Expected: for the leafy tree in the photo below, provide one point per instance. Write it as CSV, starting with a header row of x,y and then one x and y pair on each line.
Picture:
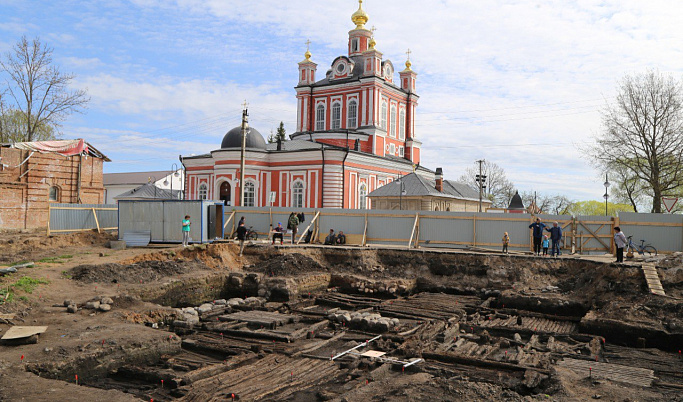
x,y
627,187
38,90
499,190
643,134
598,208
13,128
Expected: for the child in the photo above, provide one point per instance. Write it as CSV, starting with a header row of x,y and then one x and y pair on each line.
x,y
506,241
186,230
545,244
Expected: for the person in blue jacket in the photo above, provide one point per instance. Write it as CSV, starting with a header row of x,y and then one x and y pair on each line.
x,y
537,234
555,237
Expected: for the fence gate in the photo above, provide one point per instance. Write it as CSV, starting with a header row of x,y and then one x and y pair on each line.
x,y
594,234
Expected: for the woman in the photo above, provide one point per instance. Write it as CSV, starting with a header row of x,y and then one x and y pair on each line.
x,y
621,242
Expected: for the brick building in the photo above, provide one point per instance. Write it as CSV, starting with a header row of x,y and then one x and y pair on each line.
x,y
35,174
355,132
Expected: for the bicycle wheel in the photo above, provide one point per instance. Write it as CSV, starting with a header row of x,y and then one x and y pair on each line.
x,y
649,250
253,236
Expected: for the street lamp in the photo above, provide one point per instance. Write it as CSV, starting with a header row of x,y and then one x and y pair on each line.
x,y
402,191
154,183
174,169
606,196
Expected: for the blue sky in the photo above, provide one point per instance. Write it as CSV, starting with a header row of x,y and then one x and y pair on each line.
x,y
520,83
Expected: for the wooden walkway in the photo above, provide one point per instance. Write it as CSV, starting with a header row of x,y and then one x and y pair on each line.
x,y
615,372
652,279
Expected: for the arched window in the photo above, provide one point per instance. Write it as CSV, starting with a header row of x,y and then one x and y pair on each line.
x,y
336,116
54,194
320,117
298,194
249,194
402,125
352,114
363,196
203,192
392,121
383,115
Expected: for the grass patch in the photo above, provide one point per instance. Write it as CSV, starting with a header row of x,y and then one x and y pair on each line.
x,y
66,274
56,260
28,284
6,296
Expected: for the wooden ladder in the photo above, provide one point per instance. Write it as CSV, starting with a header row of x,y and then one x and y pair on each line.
x,y
652,279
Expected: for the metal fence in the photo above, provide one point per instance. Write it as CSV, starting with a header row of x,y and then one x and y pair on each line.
x,y
581,234
69,218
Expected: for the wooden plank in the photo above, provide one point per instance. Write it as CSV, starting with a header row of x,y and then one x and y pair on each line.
x,y
671,224
594,235
97,221
17,332
412,233
365,230
317,214
86,208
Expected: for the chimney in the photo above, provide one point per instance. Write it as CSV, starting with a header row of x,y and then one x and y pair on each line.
x,y
439,180
279,144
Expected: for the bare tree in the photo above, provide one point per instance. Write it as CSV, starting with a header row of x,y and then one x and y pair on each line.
x,y
37,89
643,133
499,190
548,204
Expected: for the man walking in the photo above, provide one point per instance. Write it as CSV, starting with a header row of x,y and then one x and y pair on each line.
x,y
621,242
241,236
537,234
555,237
186,230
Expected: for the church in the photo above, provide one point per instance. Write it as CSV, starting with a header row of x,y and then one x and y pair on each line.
x,y
355,132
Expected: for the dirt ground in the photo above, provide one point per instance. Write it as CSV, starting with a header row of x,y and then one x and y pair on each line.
x,y
97,345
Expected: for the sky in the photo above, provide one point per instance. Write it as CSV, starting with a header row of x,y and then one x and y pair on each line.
x,y
518,83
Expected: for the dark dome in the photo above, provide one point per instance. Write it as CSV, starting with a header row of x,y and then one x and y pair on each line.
x,y
233,139
516,202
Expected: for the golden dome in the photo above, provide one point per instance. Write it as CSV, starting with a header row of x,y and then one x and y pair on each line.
x,y
307,55
408,64
372,43
360,17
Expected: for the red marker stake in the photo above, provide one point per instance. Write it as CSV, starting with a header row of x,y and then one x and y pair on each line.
x,y
590,372
233,396
22,358
162,383
76,379
102,342
403,370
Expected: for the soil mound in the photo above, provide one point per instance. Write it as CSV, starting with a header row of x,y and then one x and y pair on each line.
x,y
289,264
145,271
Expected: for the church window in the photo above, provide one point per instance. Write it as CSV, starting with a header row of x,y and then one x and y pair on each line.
x,y
352,114
383,115
392,121
203,192
363,196
336,116
298,195
402,125
354,45
54,193
401,151
320,117
249,194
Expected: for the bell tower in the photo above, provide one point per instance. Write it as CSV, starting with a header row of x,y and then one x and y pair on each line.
x,y
307,67
359,37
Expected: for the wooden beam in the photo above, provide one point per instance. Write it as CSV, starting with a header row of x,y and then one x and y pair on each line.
x,y
412,233
317,214
595,235
97,221
232,215
365,231
474,230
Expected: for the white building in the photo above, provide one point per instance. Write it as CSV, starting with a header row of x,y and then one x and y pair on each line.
x,y
116,184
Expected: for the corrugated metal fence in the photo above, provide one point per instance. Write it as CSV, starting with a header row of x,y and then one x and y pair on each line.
x,y
586,234
69,218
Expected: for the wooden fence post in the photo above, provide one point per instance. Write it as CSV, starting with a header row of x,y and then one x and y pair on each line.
x,y
97,222
474,230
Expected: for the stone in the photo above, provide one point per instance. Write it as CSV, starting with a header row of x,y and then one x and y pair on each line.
x,y
117,244
533,379
182,324
92,305
220,302
235,301
68,302
517,337
105,307
189,311
192,319
204,308
106,300
72,308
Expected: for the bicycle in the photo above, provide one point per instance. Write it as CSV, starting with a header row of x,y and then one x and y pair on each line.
x,y
251,234
642,249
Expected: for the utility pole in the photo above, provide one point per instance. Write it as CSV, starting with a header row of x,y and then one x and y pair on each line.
x,y
481,179
245,127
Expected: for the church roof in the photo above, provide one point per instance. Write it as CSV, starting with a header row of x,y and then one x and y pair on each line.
x,y
418,186
233,139
516,202
460,190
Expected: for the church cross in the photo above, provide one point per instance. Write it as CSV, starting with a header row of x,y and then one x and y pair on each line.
x,y
308,44
408,53
373,29
245,104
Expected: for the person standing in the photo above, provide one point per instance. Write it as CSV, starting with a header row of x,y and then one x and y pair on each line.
x,y
545,244
186,230
620,242
241,236
506,242
292,224
555,237
537,227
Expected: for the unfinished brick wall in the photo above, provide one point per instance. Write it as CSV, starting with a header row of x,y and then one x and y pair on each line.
x,y
24,190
